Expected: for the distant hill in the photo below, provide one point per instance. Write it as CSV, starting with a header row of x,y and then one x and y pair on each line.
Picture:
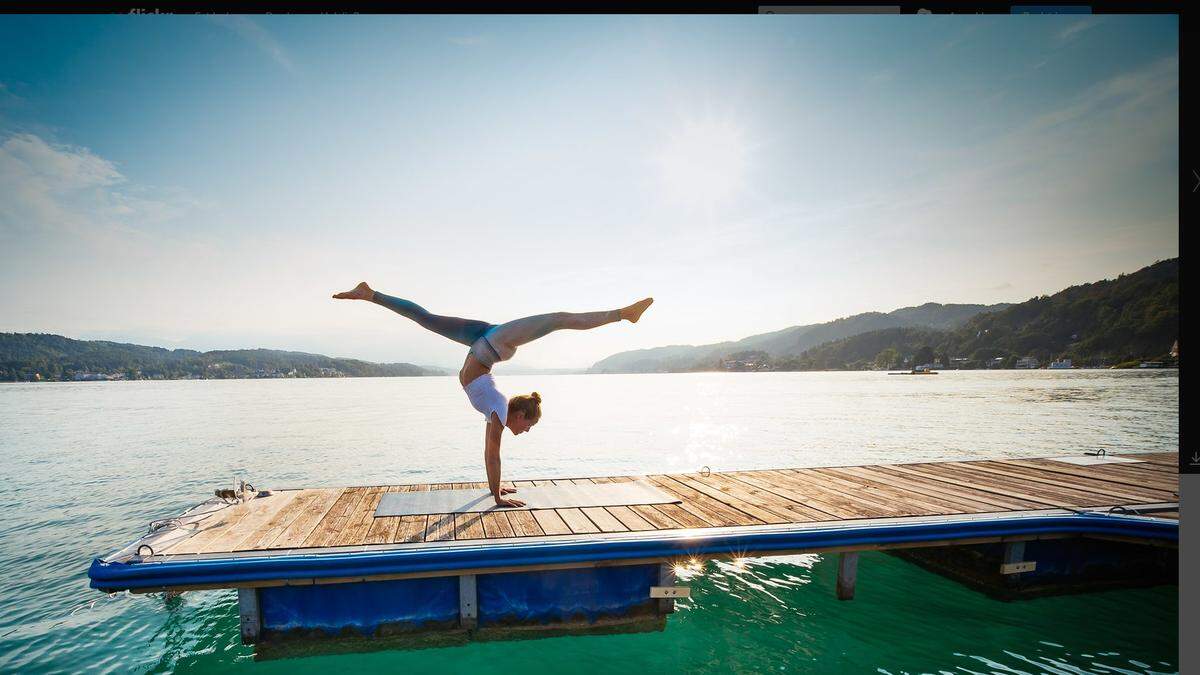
x,y
788,342
33,356
1109,322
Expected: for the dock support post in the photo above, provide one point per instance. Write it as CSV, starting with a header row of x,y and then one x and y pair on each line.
x,y
666,577
847,575
1015,562
468,605
248,609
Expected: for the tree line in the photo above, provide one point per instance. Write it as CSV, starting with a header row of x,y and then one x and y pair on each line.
x,y
26,357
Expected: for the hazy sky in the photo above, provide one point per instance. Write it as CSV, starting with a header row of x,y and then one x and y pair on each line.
x,y
209,182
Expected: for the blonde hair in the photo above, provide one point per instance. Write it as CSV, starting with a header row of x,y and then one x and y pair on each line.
x,y
530,404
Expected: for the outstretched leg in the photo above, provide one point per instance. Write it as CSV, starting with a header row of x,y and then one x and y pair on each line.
x,y
508,336
464,331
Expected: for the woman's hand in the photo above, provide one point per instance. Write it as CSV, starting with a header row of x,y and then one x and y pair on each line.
x,y
501,501
507,490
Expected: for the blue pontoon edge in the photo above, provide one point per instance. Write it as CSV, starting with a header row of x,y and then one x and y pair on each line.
x,y
233,570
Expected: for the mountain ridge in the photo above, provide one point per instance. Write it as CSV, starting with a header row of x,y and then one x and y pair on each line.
x,y
790,341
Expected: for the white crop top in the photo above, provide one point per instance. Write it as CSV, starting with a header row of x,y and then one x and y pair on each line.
x,y
486,399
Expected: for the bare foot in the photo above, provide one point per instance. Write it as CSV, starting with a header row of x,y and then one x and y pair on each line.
x,y
361,292
634,312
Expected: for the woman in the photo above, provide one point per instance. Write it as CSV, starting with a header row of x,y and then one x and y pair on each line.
x,y
489,345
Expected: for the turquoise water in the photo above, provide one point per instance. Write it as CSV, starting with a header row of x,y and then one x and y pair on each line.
x,y
84,467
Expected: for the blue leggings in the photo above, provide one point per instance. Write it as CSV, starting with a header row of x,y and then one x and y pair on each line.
x,y
495,342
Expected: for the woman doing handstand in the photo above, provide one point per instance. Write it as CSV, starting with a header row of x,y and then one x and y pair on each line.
x,y
490,344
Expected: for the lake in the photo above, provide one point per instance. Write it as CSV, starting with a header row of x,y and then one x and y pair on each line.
x,y
85,466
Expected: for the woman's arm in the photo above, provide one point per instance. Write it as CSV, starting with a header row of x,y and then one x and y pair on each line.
x,y
491,460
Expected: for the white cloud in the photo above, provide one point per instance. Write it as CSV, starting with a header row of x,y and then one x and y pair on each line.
x,y
1116,95
59,189
250,31
1074,29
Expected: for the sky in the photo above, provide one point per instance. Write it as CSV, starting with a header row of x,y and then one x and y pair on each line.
x,y
209,182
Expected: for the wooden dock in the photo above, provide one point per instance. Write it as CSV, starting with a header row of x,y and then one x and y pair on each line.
x,y
317,561
321,518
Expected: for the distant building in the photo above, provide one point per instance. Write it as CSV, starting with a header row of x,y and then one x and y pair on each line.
x,y
1027,362
1061,364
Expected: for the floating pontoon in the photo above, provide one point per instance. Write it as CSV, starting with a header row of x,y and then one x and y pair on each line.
x,y
323,562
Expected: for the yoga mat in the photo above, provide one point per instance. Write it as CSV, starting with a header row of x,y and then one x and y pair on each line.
x,y
542,497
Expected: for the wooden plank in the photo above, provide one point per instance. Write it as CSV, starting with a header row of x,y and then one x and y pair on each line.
x,y
1168,459
1140,470
327,532
1110,472
1000,484
573,520
1001,502
862,500
772,482
496,525
903,485
577,521
587,519
440,527
1082,482
468,526
702,499
658,518
383,530
838,491
1060,495
787,510
924,471
815,495
410,529
299,529
358,524
623,514
237,520
524,524
670,516
262,536
852,484
630,519
604,520
819,494
549,521
713,512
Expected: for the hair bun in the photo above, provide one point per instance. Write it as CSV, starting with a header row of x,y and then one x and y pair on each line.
x,y
536,396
